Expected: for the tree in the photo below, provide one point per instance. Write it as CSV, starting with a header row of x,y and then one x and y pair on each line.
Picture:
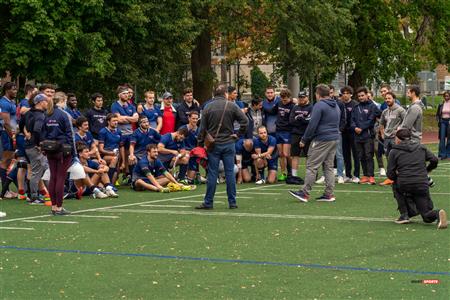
x,y
259,82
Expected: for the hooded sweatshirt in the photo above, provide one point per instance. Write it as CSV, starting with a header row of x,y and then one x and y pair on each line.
x,y
363,116
391,118
324,123
407,163
413,120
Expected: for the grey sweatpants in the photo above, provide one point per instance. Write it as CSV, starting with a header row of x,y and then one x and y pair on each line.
x,y
38,166
320,153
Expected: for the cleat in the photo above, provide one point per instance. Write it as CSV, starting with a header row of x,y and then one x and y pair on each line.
x,y
300,195
203,206
281,177
62,212
364,180
111,193
372,180
355,179
387,181
326,198
382,172
261,181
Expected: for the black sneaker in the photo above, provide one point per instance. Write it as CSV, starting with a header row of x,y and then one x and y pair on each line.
x,y
326,198
403,219
233,206
37,202
300,195
203,206
294,180
62,212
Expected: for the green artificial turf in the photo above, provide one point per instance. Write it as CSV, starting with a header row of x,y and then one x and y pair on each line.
x,y
183,253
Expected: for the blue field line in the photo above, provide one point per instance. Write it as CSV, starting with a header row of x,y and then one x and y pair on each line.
x,y
224,260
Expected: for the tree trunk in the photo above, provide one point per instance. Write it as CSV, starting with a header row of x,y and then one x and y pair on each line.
x,y
202,75
294,84
356,80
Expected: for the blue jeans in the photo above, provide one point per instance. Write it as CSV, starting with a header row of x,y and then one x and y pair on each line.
x,y
444,138
226,153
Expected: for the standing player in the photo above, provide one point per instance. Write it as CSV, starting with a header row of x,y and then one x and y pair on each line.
x,y
168,113
96,115
270,112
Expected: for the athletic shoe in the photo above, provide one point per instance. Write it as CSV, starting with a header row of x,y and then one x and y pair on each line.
x,y
111,193
372,180
335,171
233,206
62,212
300,195
37,202
430,182
164,190
48,203
347,179
364,180
261,181
2,214
340,180
321,180
183,181
99,195
45,197
383,172
294,180
403,219
201,179
442,221
23,197
387,181
10,195
281,177
326,198
355,179
203,206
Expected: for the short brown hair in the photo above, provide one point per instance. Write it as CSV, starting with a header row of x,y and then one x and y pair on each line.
x,y
285,93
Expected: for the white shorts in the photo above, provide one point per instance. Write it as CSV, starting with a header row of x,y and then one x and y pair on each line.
x,y
76,171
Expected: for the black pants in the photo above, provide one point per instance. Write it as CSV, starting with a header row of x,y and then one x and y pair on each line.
x,y
365,151
415,199
349,150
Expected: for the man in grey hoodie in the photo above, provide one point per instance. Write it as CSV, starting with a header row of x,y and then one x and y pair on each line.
x,y
414,114
323,135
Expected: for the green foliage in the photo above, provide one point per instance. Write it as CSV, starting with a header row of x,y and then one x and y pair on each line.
x,y
259,82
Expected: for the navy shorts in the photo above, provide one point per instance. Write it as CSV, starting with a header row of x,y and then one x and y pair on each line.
x,y
7,142
272,164
283,137
193,165
20,145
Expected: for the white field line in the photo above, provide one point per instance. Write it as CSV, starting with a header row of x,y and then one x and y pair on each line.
x,y
250,215
50,222
226,197
162,205
16,228
357,191
253,193
122,205
195,201
92,216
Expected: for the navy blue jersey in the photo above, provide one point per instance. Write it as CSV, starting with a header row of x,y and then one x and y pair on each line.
x,y
97,120
190,141
92,164
111,139
283,113
145,167
127,110
171,144
8,106
240,150
152,114
74,113
269,108
87,139
140,139
264,146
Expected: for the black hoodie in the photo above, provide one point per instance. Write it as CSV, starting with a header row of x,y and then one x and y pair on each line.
x,y
407,163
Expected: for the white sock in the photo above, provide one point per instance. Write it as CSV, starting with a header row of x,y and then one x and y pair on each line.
x,y
294,172
96,191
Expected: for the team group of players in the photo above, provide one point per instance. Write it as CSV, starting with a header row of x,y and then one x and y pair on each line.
x,y
154,145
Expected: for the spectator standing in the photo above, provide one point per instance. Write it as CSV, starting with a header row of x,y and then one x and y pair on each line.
x,y
169,114
186,107
414,114
443,117
322,134
224,147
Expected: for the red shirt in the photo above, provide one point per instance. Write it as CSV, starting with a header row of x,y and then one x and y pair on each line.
x,y
168,121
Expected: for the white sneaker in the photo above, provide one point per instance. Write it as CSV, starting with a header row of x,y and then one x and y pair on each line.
x,y
355,179
10,195
99,195
335,171
340,180
111,193
382,172
347,179
2,214
261,181
321,180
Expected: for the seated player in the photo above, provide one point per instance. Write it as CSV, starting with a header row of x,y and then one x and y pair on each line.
x,y
173,151
190,143
97,174
140,138
244,151
84,135
150,174
265,156
109,143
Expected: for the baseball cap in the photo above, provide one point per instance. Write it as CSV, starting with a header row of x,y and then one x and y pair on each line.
x,y
302,94
39,98
167,95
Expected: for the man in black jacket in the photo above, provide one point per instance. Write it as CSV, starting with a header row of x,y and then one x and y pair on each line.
x,y
407,167
186,107
224,149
